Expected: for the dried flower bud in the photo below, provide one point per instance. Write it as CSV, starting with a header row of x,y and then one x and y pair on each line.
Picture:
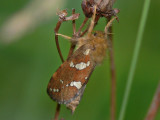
x,y
104,7
63,13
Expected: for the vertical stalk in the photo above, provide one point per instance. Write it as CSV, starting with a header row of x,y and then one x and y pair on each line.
x,y
57,111
113,74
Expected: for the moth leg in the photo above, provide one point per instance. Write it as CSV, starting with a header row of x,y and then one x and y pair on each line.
x,y
92,22
64,36
108,25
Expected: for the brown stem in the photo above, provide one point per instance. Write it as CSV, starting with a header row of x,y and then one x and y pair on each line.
x,y
60,54
57,111
84,32
73,22
71,50
74,32
56,39
154,105
96,21
113,74
82,25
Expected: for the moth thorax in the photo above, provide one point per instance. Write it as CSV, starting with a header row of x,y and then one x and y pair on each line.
x,y
99,53
82,41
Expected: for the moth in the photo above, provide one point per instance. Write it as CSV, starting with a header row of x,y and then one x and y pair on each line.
x,y
68,83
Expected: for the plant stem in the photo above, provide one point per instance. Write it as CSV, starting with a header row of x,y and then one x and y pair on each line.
x,y
113,74
135,57
57,111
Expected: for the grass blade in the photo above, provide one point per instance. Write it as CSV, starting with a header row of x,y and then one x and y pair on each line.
x,y
135,57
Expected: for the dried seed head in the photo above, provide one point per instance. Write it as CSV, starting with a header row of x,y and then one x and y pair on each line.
x,y
104,7
62,13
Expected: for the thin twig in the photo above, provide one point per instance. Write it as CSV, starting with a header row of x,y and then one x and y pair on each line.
x,y
154,105
82,25
113,74
86,30
73,22
74,32
60,54
56,39
62,17
57,111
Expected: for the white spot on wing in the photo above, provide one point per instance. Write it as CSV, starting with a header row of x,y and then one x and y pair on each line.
x,y
57,90
81,66
86,78
50,89
86,52
88,63
78,85
71,64
61,81
54,90
72,84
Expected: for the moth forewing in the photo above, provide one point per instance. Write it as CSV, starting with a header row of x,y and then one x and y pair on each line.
x,y
68,81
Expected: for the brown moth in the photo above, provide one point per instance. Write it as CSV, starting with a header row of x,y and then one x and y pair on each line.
x,y
67,84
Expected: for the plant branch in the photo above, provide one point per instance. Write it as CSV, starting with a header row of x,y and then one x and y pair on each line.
x,y
113,74
74,32
57,111
56,39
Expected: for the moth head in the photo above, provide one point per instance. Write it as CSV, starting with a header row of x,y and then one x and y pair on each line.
x,y
99,34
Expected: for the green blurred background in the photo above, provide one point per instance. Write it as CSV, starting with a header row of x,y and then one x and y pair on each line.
x,y
27,64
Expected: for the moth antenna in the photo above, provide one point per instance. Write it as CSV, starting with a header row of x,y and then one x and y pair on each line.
x,y
71,39
110,33
108,25
64,36
92,22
